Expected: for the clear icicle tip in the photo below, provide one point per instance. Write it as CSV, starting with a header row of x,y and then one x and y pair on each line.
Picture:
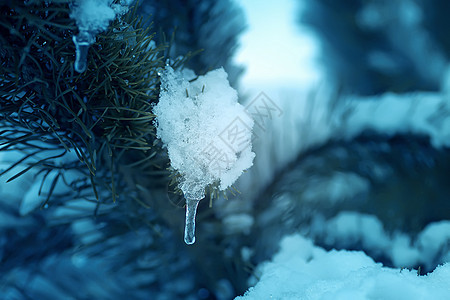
x,y
82,42
189,226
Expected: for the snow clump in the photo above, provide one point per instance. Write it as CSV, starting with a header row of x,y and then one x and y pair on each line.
x,y
206,131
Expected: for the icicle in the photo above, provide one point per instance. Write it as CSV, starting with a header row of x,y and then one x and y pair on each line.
x,y
82,42
189,227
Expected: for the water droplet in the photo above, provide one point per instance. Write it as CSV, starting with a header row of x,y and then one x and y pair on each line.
x,y
62,60
82,42
48,65
189,227
126,81
46,206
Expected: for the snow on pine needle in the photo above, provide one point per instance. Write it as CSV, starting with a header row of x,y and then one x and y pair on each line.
x,y
207,134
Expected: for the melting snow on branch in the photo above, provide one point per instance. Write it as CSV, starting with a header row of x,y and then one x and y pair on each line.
x,y
206,131
92,17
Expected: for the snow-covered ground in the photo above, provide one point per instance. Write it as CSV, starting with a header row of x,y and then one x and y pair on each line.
x,y
301,270
430,247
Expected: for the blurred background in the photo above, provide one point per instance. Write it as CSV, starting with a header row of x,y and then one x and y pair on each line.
x,y
352,150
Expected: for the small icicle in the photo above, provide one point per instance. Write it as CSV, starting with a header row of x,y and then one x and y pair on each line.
x,y
189,227
82,42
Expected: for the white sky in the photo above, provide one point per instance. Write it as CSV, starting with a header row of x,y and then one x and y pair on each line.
x,y
274,48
